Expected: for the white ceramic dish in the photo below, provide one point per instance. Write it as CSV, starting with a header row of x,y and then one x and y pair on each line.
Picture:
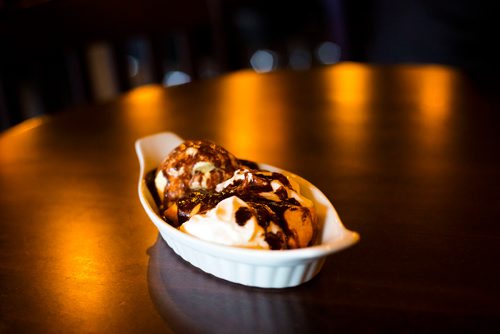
x,y
252,267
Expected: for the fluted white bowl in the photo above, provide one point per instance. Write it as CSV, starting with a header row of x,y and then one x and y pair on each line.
x,y
252,267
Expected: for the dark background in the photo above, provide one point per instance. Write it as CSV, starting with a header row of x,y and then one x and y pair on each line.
x,y
61,53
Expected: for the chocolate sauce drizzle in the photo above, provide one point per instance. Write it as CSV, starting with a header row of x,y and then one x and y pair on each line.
x,y
264,210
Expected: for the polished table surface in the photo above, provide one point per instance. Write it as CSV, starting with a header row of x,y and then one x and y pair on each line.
x,y
409,156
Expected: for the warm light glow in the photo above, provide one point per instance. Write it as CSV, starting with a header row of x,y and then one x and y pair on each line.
x,y
246,104
23,142
349,90
81,259
81,265
349,84
27,125
144,109
435,94
149,94
431,89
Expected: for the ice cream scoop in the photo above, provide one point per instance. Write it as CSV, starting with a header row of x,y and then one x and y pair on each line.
x,y
207,192
193,165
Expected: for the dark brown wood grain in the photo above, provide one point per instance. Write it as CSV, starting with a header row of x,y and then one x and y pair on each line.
x,y
409,155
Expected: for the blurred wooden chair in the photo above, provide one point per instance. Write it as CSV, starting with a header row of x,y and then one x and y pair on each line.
x,y
58,53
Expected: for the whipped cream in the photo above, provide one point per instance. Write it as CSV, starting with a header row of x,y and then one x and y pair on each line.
x,y
235,222
160,183
292,191
220,225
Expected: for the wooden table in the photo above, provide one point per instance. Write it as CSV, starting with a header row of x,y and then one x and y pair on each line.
x,y
409,155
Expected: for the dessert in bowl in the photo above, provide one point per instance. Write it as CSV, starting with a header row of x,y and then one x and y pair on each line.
x,y
229,236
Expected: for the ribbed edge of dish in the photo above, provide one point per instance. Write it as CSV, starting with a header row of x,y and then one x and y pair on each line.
x,y
263,276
